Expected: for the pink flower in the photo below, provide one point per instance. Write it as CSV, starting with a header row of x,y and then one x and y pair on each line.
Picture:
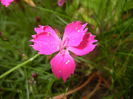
x,y
75,39
6,2
61,2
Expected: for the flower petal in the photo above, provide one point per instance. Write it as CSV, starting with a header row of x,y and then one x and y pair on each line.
x,y
86,46
61,2
6,2
45,41
74,33
42,29
63,65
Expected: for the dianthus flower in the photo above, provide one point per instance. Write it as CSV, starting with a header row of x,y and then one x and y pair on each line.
x,y
6,2
76,39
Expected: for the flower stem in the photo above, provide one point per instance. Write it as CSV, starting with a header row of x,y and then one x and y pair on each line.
x,y
18,66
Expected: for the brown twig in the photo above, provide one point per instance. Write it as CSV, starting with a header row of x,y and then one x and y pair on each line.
x,y
95,89
106,82
62,96
101,79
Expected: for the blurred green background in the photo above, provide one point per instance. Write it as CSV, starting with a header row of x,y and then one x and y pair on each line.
x,y
110,20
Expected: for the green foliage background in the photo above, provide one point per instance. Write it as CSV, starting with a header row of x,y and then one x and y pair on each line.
x,y
110,20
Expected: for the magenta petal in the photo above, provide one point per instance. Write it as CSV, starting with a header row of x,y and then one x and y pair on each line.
x,y
86,46
6,2
42,29
39,29
46,42
63,65
61,2
74,33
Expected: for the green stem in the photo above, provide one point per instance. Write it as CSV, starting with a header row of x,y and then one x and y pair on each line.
x,y
54,12
18,66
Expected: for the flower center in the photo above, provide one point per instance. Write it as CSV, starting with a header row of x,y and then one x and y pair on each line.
x,y
64,44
